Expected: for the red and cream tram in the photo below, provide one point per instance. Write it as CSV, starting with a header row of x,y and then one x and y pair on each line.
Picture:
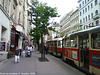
x,y
83,48
55,46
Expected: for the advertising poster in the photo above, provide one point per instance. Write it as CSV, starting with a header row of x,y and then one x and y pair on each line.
x,y
74,54
2,46
96,60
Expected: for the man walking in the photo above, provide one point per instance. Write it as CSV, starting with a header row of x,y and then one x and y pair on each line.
x,y
17,55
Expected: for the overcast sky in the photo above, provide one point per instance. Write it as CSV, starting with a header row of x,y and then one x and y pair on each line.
x,y
63,6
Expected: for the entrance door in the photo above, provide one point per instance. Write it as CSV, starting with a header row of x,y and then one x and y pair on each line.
x,y
84,51
55,47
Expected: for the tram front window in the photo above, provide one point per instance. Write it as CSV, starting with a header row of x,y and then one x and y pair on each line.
x,y
95,40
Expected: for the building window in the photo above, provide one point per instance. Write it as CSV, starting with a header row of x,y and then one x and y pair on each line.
x,y
96,12
83,20
88,8
97,23
85,1
80,13
88,17
85,9
80,21
91,15
96,2
91,5
80,5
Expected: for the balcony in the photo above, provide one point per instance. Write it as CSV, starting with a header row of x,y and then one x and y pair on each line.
x,y
96,16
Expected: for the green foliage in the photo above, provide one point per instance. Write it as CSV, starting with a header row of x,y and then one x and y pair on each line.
x,y
62,34
40,15
78,30
9,55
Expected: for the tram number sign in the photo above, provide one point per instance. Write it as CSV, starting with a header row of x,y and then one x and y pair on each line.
x,y
96,60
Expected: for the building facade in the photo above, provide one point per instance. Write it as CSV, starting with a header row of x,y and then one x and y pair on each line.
x,y
65,23
74,21
4,28
13,25
89,12
70,22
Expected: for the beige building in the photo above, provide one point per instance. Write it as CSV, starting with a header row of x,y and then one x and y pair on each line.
x,y
65,24
74,21
70,22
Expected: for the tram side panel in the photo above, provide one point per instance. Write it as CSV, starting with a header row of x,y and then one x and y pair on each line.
x,y
72,54
94,62
59,51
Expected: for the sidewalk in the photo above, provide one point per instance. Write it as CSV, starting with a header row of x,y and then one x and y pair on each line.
x,y
32,66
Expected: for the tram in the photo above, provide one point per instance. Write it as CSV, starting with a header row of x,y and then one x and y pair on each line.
x,y
83,48
55,46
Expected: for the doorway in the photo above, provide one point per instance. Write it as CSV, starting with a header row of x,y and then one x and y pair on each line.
x,y
84,51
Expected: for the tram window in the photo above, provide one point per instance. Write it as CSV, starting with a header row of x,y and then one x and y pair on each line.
x,y
59,43
95,40
67,43
51,43
74,42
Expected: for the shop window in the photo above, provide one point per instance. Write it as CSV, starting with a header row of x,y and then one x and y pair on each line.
x,y
95,41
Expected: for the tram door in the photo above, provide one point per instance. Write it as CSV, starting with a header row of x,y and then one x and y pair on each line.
x,y
55,47
84,52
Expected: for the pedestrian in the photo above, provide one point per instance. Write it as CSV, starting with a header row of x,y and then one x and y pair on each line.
x,y
17,55
47,48
30,49
26,50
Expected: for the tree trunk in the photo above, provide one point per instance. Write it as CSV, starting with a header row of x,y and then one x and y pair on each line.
x,y
42,49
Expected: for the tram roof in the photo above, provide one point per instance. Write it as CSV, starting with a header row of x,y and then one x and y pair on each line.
x,y
57,39
86,31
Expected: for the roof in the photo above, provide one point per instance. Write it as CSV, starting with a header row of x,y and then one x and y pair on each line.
x,y
86,31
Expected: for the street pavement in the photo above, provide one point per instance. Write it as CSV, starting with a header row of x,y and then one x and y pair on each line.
x,y
32,66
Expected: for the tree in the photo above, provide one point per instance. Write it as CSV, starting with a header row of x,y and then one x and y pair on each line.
x,y
40,15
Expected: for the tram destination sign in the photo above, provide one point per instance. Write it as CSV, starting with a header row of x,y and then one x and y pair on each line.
x,y
96,60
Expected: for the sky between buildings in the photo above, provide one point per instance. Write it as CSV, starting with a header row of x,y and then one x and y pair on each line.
x,y
63,6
